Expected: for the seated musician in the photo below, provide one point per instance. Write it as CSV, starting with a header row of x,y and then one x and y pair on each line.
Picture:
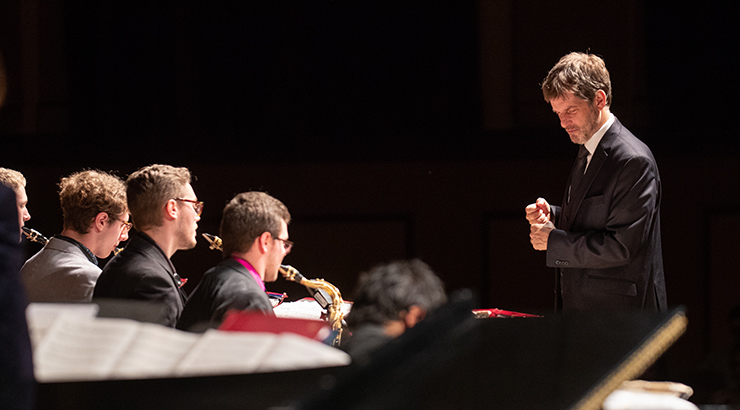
x,y
95,221
17,182
165,212
389,299
254,231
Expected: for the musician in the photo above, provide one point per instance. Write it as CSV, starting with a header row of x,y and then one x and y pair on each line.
x,y
17,182
17,383
165,212
390,299
254,231
95,221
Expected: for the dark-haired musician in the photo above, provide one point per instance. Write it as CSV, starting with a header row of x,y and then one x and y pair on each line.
x,y
389,299
254,231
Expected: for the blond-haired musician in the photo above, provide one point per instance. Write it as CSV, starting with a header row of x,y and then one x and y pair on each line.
x,y
165,212
17,182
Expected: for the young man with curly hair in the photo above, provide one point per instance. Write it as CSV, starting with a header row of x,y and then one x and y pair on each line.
x,y
95,221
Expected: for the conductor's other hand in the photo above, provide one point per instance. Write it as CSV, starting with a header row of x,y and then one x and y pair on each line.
x,y
539,234
538,212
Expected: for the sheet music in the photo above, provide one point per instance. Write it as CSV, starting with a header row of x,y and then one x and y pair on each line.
x,y
40,316
293,352
218,352
306,309
77,347
155,352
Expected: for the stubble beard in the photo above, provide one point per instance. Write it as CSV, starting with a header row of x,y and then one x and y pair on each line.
x,y
186,238
585,133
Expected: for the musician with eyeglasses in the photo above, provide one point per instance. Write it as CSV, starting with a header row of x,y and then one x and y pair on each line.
x,y
165,212
95,222
254,234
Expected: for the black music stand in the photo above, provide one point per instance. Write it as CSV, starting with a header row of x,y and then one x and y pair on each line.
x,y
455,361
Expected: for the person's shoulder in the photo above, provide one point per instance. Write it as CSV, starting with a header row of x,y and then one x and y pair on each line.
x,y
623,143
56,257
226,269
132,266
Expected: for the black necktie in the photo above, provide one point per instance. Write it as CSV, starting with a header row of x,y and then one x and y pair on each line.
x,y
578,170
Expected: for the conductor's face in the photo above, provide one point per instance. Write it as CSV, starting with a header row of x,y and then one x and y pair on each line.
x,y
579,118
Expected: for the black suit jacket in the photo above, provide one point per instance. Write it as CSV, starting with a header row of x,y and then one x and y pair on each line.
x,y
607,244
17,382
142,271
228,285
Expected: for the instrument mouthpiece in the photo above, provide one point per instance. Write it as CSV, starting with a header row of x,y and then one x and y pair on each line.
x,y
290,273
34,235
214,241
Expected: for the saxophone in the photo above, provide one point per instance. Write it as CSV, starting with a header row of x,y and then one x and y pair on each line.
x,y
326,294
36,236
333,307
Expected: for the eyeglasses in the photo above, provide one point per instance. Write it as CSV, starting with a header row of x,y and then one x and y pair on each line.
x,y
197,205
126,226
288,245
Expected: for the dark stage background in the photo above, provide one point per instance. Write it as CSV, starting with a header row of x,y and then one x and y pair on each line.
x,y
390,129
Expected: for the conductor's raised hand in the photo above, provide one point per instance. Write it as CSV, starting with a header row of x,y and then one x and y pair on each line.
x,y
538,212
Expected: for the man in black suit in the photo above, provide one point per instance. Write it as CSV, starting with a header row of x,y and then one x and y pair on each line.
x,y
254,233
165,213
605,238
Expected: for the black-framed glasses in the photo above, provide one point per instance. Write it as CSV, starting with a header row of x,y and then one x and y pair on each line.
x,y
197,205
288,245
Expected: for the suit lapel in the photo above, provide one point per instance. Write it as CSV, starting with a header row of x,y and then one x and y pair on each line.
x,y
597,161
577,196
152,250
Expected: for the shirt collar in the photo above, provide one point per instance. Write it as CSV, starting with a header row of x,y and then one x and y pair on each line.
x,y
251,270
88,253
593,142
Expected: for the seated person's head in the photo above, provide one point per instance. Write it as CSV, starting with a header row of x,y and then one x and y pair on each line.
x,y
95,202
396,295
17,182
247,217
150,188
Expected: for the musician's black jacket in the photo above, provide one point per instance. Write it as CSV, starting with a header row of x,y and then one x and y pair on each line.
x,y
228,285
142,271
